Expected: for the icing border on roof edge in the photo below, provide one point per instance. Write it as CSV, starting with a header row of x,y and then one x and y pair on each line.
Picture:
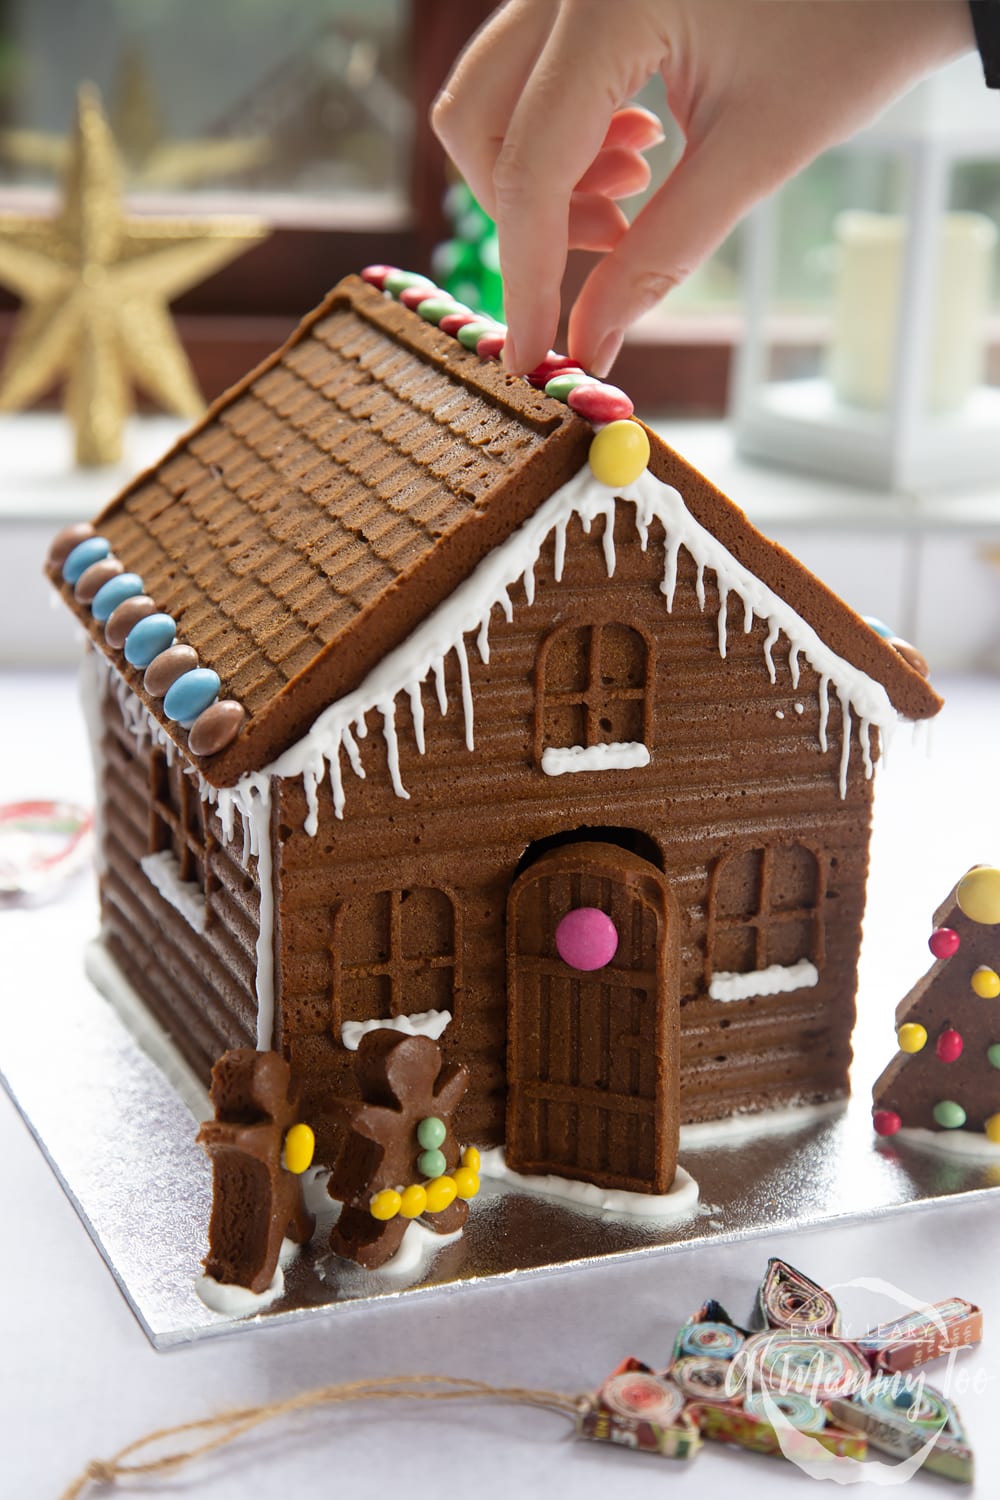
x,y
468,611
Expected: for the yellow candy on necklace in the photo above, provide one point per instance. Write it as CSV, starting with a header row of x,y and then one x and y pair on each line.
x,y
413,1201
386,1204
440,1194
466,1182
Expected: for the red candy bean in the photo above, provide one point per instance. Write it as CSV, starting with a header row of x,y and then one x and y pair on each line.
x,y
600,403
949,1045
944,942
452,322
886,1121
490,345
375,275
551,365
412,296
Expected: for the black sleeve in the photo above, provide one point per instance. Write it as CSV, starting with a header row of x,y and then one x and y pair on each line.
x,y
986,23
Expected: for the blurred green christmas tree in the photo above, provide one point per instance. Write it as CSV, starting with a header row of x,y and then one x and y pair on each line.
x,y
468,265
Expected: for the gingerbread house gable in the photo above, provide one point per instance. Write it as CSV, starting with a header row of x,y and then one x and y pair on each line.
x,y
482,689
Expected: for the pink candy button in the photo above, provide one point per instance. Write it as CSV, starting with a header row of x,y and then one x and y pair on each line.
x,y
586,938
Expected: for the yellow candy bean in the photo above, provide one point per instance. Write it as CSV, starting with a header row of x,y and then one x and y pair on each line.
x,y
466,1182
986,983
912,1037
471,1159
440,1193
413,1202
619,453
386,1204
300,1143
992,1128
979,895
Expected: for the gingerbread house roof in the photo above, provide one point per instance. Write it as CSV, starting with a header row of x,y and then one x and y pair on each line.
x,y
330,502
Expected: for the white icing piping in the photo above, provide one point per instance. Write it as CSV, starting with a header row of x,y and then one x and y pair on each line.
x,y
430,1023
468,611
620,756
777,979
163,872
93,686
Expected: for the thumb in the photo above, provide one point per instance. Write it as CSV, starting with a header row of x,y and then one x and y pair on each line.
x,y
707,193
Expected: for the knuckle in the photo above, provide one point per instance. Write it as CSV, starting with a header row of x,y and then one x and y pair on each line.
x,y
650,287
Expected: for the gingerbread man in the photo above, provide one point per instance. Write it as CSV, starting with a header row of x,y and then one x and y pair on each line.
x,y
400,1160
256,1200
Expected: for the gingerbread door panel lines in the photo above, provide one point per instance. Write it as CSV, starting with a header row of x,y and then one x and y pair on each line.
x,y
592,983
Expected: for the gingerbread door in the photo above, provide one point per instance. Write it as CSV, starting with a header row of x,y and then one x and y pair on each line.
x,y
593,1019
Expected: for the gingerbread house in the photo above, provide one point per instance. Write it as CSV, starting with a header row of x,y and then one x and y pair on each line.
x,y
574,774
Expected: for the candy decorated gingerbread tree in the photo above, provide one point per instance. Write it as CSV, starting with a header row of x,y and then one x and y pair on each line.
x,y
946,1075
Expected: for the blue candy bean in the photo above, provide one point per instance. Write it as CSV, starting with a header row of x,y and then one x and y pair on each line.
x,y
148,638
113,593
81,557
191,694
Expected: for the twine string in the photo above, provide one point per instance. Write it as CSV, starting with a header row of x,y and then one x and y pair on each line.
x,y
234,1424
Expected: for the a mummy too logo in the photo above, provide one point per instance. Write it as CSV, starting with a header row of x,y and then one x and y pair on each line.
x,y
859,1410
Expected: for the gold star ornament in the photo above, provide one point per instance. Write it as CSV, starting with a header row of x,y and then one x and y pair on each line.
x,y
96,284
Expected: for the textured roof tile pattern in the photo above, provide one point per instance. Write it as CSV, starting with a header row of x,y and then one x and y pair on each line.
x,y
316,495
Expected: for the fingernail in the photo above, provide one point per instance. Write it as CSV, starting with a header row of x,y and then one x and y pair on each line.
x,y
509,355
607,351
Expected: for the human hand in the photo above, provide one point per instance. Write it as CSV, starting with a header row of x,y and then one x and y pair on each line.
x,y
535,117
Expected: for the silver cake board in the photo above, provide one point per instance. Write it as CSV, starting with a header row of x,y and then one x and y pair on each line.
x,y
120,1137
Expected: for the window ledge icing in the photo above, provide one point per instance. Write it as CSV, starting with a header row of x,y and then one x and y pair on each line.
x,y
163,871
423,1023
620,756
778,979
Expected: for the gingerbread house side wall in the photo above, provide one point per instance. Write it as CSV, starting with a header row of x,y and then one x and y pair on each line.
x,y
736,767
200,984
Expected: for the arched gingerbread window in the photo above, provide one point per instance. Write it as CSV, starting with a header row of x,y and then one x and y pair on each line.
x,y
395,953
592,690
765,926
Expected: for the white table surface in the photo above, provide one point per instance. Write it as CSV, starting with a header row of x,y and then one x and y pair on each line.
x,y
78,1378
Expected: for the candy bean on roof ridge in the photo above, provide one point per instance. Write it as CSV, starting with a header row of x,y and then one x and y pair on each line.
x,y
559,375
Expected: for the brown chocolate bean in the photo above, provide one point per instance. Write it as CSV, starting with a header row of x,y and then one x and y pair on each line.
x,y
164,670
216,727
128,613
911,655
95,577
67,539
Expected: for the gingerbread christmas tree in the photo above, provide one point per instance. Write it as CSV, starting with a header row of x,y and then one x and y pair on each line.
x,y
946,1074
